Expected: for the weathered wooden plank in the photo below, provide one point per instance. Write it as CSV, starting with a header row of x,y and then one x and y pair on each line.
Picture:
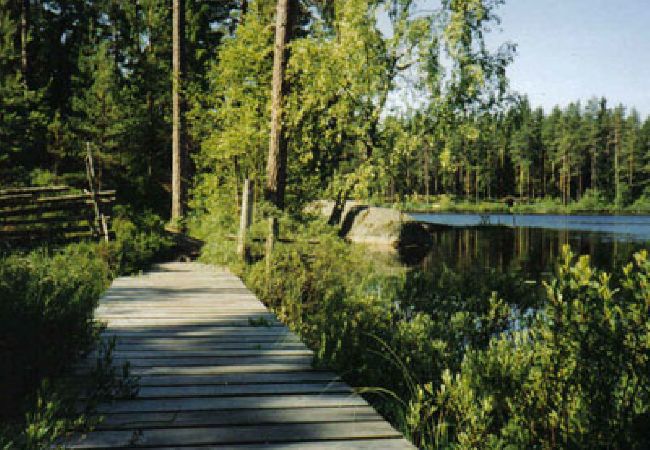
x,y
305,376
210,361
179,305
244,321
34,190
19,202
11,197
177,300
237,417
121,354
43,232
38,209
246,340
208,296
241,390
214,309
194,331
237,434
356,444
60,239
70,219
209,377
158,286
215,298
215,370
216,403
184,315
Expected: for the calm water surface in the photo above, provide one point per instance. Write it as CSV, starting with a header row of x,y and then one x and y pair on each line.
x,y
530,243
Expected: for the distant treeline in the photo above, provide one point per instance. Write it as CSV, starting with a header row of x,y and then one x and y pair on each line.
x,y
527,153
99,72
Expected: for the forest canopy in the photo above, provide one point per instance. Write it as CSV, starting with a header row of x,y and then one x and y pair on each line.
x,y
99,72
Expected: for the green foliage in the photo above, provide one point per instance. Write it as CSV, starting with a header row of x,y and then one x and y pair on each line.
x,y
56,409
642,204
99,71
47,303
139,241
48,300
471,359
22,121
576,378
580,158
591,200
232,123
340,73
43,424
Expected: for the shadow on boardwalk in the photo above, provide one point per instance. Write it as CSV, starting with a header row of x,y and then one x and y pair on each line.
x,y
217,369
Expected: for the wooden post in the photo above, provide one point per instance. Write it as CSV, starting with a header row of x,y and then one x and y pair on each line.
x,y
270,242
100,218
178,126
246,217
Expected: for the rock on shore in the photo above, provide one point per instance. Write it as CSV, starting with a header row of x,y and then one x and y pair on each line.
x,y
380,227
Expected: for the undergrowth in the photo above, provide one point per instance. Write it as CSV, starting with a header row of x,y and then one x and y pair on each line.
x,y
459,361
47,302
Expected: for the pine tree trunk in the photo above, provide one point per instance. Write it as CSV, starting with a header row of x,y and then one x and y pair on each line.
x,y
594,175
631,168
617,150
24,38
425,168
177,114
244,10
567,179
542,172
580,187
276,169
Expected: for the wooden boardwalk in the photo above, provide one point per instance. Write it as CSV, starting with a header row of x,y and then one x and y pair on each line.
x,y
218,370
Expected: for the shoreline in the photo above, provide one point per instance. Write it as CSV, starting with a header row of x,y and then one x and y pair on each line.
x,y
527,213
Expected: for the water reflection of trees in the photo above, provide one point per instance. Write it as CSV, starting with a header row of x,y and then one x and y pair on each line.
x,y
532,251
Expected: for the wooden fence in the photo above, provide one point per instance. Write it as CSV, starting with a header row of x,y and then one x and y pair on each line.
x,y
54,214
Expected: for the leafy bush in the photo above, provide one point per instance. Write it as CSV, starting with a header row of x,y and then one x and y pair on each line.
x,y
591,200
642,204
344,304
579,377
139,241
47,302
460,360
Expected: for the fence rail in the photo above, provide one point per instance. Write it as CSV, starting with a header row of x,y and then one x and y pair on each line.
x,y
53,213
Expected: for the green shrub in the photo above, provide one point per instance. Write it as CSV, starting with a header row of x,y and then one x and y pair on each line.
x,y
139,241
591,200
47,303
642,204
47,300
579,377
470,359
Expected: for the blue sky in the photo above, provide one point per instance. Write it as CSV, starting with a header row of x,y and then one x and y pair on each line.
x,y
575,49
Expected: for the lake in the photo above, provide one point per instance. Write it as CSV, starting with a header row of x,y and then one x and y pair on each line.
x,y
530,243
